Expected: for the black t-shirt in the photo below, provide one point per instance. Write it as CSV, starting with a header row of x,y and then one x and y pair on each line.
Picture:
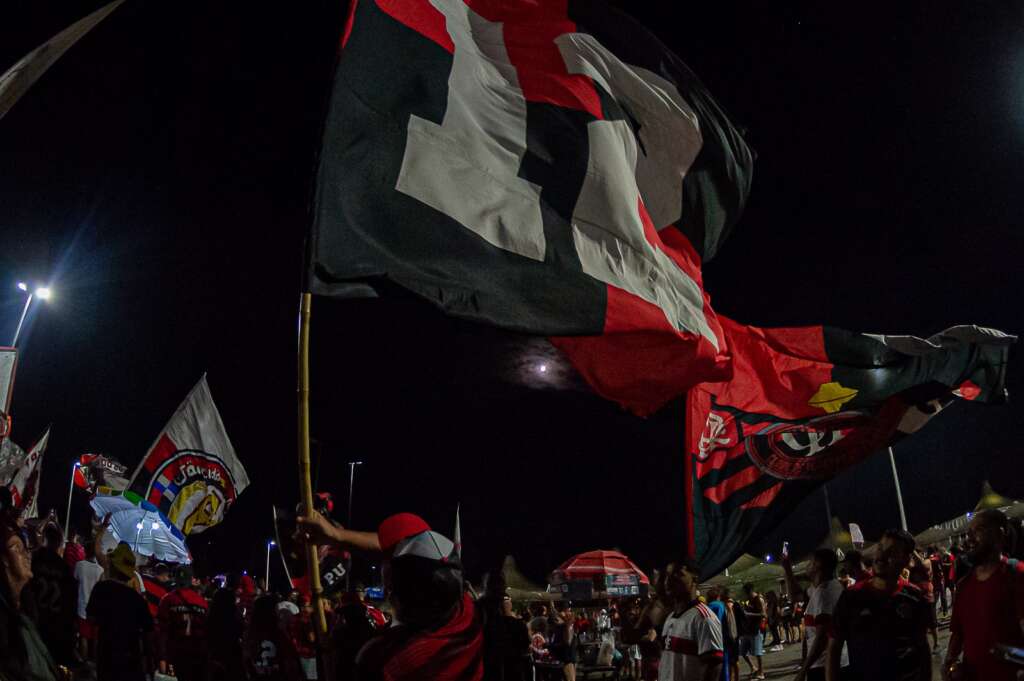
x,y
123,618
885,633
54,594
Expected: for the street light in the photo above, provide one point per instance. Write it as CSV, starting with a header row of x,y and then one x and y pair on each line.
x,y
266,580
71,488
43,293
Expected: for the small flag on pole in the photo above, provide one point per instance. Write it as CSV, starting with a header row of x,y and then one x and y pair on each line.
x,y
25,485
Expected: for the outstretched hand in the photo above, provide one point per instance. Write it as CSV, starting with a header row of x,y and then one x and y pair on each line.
x,y
316,529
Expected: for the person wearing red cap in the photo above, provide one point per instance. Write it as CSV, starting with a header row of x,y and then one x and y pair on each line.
x,y
438,633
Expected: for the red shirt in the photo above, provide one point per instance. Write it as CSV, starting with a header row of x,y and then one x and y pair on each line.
x,y
452,652
182,618
985,613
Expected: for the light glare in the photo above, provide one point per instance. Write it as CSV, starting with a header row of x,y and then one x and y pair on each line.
x,y
22,286
43,293
138,525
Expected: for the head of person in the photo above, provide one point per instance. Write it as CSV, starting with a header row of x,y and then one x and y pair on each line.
x,y
853,564
988,536
680,579
748,589
264,616
52,538
566,612
122,563
184,577
724,594
822,567
421,570
162,573
895,550
506,606
295,597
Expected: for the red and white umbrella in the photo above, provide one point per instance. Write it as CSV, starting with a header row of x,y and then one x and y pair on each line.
x,y
591,564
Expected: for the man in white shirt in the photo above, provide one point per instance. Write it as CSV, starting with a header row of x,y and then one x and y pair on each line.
x,y
691,635
87,572
822,596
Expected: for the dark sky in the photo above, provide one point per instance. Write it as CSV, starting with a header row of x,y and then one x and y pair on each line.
x,y
159,175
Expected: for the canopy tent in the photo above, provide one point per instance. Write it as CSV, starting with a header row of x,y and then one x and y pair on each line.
x,y
143,527
595,563
518,586
598,574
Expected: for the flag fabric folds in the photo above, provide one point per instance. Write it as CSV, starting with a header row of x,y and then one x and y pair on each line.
x,y
16,81
23,469
552,168
549,168
191,473
806,403
96,471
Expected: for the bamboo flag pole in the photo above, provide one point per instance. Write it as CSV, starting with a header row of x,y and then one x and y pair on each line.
x,y
305,484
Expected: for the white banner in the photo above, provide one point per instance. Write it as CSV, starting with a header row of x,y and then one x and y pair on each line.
x,y
25,485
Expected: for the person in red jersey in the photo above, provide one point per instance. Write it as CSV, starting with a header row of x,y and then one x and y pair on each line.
x,y
183,634
883,621
989,605
438,633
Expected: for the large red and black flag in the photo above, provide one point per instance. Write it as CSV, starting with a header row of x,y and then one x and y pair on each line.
x,y
806,403
547,167
551,167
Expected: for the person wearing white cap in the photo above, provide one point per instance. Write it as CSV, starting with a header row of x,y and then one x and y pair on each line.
x,y
437,632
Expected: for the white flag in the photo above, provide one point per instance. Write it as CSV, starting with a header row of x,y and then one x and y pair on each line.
x,y
25,485
20,77
191,472
856,536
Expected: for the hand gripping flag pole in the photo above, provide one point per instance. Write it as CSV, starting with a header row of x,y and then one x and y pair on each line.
x,y
305,483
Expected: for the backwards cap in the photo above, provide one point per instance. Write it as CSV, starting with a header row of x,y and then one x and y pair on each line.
x,y
398,527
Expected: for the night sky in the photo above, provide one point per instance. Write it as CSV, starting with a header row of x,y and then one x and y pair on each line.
x,y
158,178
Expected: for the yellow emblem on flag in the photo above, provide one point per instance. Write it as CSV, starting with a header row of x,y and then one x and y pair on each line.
x,y
832,396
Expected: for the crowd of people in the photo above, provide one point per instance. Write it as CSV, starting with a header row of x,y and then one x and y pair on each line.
x,y
70,609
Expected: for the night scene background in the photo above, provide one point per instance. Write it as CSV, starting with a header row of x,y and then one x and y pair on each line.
x,y
158,177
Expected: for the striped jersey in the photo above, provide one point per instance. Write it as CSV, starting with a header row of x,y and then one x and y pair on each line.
x,y
690,640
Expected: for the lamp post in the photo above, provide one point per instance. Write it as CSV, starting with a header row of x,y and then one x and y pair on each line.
x,y
71,488
899,492
351,485
266,579
43,293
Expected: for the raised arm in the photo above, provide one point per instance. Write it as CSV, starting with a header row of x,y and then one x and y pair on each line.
x,y
315,528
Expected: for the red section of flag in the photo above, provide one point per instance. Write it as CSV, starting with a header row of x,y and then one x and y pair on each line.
x,y
641,361
349,20
775,371
734,483
162,450
764,499
968,390
420,16
530,30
